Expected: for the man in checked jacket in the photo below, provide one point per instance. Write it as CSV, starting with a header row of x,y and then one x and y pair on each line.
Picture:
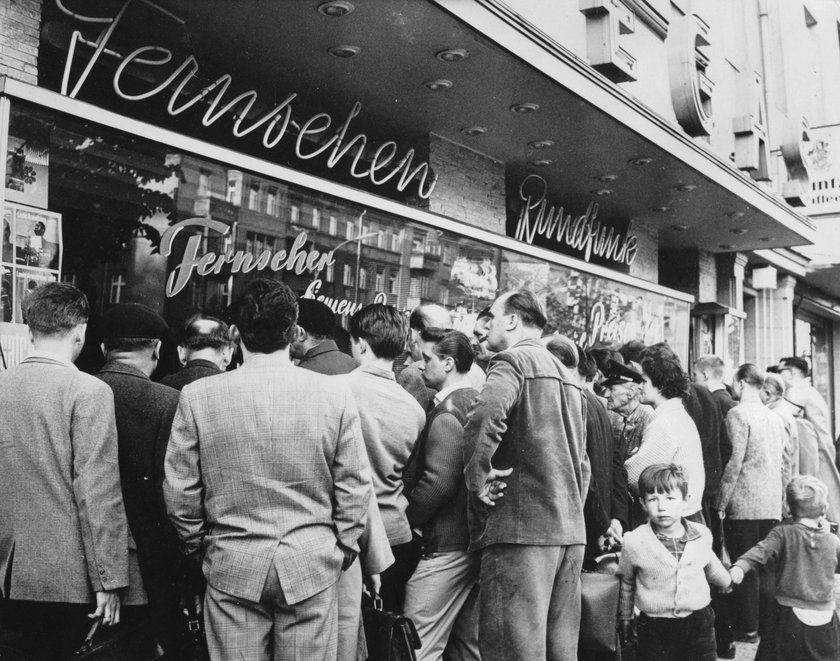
x,y
266,474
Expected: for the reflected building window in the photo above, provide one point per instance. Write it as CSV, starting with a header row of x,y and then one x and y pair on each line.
x,y
316,219
333,226
392,283
254,197
117,284
379,282
330,274
203,183
363,277
271,202
294,214
347,277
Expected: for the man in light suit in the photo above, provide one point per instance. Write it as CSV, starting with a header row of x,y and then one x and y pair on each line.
x,y
64,543
266,473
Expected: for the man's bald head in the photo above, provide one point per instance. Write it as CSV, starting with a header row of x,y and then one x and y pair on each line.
x,y
428,315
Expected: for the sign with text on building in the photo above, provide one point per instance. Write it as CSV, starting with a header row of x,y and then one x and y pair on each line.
x,y
823,164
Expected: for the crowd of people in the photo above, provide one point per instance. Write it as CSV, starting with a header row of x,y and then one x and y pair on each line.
x,y
291,467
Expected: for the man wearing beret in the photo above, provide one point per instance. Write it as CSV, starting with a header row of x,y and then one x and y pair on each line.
x,y
313,346
131,339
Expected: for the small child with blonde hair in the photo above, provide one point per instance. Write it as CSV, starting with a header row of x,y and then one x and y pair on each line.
x,y
804,624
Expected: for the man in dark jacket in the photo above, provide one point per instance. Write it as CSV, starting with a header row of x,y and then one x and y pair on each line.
x,y
144,411
313,345
204,349
527,427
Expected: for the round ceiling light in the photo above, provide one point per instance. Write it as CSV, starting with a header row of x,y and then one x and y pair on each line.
x,y
344,52
726,246
336,8
738,230
438,85
641,161
660,209
765,239
452,54
474,130
684,188
602,192
541,162
524,108
735,214
679,228
541,144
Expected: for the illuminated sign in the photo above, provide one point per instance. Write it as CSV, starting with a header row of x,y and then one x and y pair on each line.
x,y
583,234
314,138
295,259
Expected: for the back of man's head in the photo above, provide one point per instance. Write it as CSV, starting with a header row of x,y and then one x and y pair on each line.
x,y
204,332
796,362
265,316
631,351
129,327
562,348
429,315
527,307
54,309
711,364
383,327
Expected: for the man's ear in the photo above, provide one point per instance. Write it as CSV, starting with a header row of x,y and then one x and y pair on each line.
x,y
182,355
102,349
364,347
156,351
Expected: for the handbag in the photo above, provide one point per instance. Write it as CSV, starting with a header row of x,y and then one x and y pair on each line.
x,y
121,642
599,593
390,637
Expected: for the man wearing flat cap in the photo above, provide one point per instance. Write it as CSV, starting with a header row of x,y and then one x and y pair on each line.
x,y
313,346
131,339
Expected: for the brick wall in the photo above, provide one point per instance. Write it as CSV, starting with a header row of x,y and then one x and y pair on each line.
x,y
20,25
470,186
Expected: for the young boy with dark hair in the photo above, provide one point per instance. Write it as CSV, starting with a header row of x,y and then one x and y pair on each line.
x,y
666,567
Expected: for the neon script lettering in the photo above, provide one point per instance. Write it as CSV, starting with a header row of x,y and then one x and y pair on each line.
x,y
583,233
339,305
274,123
295,259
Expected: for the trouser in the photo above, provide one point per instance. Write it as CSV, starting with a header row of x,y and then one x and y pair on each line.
x,y
751,601
720,602
441,599
396,576
690,638
271,629
529,602
351,643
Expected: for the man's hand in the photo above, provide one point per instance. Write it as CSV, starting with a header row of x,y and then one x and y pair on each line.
x,y
107,607
736,574
349,557
615,531
494,487
626,632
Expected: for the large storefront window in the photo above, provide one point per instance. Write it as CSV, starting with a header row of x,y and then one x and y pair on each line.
x,y
131,220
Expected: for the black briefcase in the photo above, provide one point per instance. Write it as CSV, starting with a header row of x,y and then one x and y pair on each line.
x,y
390,637
121,642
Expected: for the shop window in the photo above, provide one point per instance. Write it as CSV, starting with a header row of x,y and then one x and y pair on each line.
x,y
203,183
294,214
379,280
333,226
117,285
316,219
254,197
271,202
329,275
363,277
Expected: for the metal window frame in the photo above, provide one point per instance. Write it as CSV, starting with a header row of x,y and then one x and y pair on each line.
x,y
11,89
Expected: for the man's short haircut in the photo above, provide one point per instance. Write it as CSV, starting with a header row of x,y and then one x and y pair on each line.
x,y
631,351
602,357
796,362
711,364
527,307
774,384
265,314
586,366
204,332
562,348
664,370
484,314
749,374
55,308
454,344
383,327
663,478
129,344
806,497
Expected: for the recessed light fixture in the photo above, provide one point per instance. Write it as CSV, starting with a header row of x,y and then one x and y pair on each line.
x,y
684,188
541,162
641,161
679,228
735,214
541,144
765,239
606,178
452,54
474,130
336,8
738,230
344,52
438,85
726,246
602,192
524,108
660,209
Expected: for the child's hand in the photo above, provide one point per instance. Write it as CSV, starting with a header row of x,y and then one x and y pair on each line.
x,y
736,574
